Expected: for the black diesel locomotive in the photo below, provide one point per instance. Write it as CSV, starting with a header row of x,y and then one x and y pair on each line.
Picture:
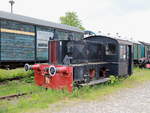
x,y
96,53
90,60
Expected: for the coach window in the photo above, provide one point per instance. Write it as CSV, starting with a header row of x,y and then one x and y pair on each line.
x,y
62,35
123,54
110,49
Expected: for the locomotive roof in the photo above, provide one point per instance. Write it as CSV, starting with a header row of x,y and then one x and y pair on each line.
x,y
120,41
34,21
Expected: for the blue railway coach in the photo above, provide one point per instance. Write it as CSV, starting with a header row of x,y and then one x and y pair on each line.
x,y
25,39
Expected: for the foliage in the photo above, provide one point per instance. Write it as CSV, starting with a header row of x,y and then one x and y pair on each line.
x,y
71,19
112,79
15,73
29,79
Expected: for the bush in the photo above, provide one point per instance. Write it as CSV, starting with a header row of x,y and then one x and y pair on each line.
x,y
113,79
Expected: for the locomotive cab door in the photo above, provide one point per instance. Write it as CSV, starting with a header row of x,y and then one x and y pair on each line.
x,y
130,59
125,64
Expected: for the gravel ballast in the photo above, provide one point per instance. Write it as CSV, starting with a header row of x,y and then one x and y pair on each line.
x,y
132,100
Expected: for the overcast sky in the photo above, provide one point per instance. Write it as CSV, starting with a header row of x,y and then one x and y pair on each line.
x,y
130,18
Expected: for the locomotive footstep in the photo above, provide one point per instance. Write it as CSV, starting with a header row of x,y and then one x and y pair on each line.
x,y
103,80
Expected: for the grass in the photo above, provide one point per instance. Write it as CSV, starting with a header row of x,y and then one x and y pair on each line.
x,y
42,99
15,73
16,87
38,100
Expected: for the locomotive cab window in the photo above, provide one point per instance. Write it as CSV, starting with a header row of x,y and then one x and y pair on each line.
x,y
110,49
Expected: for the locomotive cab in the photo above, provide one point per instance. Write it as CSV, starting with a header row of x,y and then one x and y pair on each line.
x,y
117,55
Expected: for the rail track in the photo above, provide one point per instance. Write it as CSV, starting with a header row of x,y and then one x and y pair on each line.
x,y
10,79
9,97
2,82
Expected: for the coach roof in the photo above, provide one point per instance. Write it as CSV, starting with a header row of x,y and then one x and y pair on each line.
x,y
144,43
34,21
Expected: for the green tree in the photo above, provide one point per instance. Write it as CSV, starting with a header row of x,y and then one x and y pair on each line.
x,y
71,19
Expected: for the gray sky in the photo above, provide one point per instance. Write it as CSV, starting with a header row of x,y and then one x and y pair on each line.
x,y
130,18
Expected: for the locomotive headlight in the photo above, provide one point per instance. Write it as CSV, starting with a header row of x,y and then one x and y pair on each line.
x,y
52,70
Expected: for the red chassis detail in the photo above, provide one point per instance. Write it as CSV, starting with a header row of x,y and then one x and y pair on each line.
x,y
53,52
147,66
62,79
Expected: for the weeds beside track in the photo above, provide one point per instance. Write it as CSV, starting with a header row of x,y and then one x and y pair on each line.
x,y
15,74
